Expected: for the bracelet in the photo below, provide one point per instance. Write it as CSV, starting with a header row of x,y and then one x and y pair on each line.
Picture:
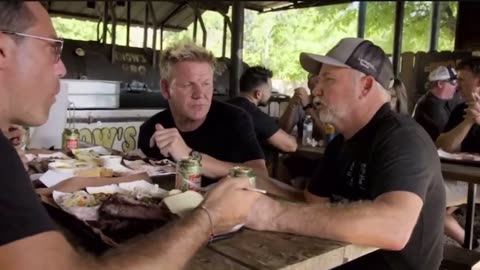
x,y
211,222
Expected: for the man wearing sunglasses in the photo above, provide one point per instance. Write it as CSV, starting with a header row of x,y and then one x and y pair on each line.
x,y
434,107
30,68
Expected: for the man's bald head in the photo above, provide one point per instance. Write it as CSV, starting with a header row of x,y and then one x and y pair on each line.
x,y
15,16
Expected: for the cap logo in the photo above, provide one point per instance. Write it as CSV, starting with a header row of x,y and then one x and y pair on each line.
x,y
364,63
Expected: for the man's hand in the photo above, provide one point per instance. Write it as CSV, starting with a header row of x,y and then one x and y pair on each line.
x,y
169,142
302,95
229,203
472,112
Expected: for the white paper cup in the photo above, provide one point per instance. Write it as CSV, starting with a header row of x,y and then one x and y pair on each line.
x,y
110,161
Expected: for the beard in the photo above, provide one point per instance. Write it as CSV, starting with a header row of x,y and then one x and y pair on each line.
x,y
329,115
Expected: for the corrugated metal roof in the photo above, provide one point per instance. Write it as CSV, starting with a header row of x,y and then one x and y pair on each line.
x,y
173,15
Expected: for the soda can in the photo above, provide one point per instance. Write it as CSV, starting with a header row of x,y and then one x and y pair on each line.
x,y
240,171
189,175
329,133
70,139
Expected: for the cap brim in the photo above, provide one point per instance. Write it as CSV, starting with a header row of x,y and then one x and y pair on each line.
x,y
313,62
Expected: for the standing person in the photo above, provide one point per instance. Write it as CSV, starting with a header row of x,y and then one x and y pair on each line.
x,y
30,68
380,181
433,109
256,90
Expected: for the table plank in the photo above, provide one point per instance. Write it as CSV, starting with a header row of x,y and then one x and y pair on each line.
x,y
268,250
207,259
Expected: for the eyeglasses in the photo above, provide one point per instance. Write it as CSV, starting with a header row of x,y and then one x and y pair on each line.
x,y
57,43
452,82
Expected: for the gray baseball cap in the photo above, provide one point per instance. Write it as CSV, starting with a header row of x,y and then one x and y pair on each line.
x,y
356,53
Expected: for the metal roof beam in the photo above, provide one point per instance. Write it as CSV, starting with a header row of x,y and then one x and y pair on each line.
x,y
122,22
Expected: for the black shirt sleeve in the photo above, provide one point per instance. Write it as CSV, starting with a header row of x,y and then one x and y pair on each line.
x,y
22,214
400,166
264,125
146,132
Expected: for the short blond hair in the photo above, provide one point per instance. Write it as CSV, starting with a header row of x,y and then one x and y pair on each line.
x,y
184,51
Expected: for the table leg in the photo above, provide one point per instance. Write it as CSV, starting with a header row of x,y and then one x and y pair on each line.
x,y
469,222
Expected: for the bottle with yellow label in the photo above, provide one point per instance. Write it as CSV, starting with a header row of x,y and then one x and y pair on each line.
x,y
329,132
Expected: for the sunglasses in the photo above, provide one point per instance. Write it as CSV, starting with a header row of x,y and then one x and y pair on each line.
x,y
452,82
57,43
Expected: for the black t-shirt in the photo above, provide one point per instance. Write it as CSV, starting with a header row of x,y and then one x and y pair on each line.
x,y
263,124
391,153
227,135
21,212
432,113
471,143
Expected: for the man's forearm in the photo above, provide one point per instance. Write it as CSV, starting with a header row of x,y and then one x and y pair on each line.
x,y
168,248
360,223
451,141
286,121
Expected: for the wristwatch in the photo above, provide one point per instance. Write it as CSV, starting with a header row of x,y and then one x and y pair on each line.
x,y
309,105
195,155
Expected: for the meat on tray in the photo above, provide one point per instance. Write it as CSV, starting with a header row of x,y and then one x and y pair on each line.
x,y
123,206
122,217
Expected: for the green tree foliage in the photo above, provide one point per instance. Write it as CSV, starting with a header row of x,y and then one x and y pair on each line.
x,y
275,39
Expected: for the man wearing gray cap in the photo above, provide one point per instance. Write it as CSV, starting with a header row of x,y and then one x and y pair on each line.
x,y
380,182
433,109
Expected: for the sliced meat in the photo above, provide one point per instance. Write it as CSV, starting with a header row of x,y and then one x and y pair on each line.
x,y
122,206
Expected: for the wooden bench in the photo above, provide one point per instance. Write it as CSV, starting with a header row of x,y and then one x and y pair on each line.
x,y
457,258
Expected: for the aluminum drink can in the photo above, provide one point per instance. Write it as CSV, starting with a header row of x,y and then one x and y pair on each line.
x,y
240,171
189,175
70,139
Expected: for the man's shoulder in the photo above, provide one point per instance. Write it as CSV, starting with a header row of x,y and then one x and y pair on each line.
x,y
160,117
225,111
401,129
428,102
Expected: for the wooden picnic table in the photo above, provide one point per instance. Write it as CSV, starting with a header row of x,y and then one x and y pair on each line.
x,y
250,249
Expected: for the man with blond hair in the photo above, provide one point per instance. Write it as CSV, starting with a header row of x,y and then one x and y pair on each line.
x,y
380,182
30,68
219,134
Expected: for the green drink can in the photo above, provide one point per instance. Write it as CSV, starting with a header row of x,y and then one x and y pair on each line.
x,y
189,175
70,139
240,171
